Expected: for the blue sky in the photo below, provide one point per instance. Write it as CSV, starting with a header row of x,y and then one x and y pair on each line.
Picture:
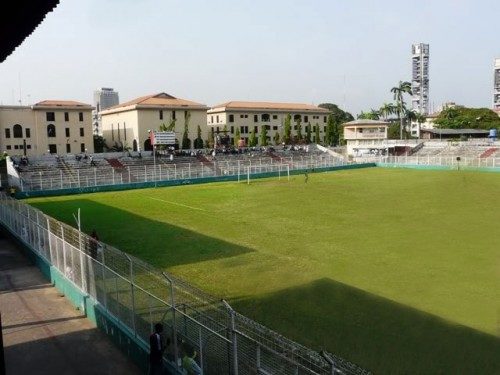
x,y
349,52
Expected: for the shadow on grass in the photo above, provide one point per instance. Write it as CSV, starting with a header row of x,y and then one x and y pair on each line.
x,y
138,235
373,332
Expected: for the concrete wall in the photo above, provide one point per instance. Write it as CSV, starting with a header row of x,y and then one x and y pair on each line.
x,y
75,140
276,121
139,121
34,130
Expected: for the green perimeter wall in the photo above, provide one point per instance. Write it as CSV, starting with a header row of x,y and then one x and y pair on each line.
x,y
121,336
201,180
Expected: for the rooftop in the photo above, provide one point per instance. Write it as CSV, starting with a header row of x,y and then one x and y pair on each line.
x,y
366,122
263,106
455,131
161,100
61,103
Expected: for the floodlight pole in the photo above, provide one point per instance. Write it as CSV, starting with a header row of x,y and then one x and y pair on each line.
x,y
154,162
79,223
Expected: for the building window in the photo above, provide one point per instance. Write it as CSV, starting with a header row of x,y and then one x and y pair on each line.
x,y
306,118
186,114
211,119
124,131
324,129
16,147
82,133
217,117
28,132
66,116
242,116
68,148
232,129
231,118
324,118
246,116
266,117
161,114
52,149
51,131
28,147
217,129
7,133
173,115
255,118
297,117
275,128
256,129
18,131
51,116
275,117
67,132
9,147
80,116
82,147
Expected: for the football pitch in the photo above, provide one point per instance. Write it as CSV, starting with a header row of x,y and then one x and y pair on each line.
x,y
395,270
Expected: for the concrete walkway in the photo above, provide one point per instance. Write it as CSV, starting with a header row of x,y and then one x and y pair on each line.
x,y
42,332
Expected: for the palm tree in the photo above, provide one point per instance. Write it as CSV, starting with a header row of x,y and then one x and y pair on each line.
x,y
372,115
387,109
399,91
411,115
420,118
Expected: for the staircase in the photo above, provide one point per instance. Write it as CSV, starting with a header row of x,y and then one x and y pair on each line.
x,y
203,160
116,164
68,171
488,152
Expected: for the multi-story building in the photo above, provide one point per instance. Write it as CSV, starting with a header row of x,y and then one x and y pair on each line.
x,y
51,126
420,78
365,137
496,86
104,98
253,116
128,124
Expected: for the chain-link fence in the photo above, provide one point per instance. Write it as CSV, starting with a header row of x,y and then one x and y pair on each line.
x,y
139,296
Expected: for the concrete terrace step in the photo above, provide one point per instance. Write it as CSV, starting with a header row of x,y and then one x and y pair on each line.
x,y
489,152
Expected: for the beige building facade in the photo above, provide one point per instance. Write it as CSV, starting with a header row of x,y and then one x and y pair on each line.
x,y
365,136
128,124
253,116
51,126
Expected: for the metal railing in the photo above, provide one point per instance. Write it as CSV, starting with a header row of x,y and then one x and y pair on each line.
x,y
57,179
140,295
430,160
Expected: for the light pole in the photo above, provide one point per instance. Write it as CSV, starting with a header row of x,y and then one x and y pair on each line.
x,y
154,162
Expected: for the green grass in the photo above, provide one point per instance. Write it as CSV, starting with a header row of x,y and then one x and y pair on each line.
x,y
395,270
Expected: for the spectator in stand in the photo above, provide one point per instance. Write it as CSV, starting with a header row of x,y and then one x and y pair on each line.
x,y
156,348
188,362
94,244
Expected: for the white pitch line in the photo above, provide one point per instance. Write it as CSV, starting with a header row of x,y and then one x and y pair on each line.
x,y
178,204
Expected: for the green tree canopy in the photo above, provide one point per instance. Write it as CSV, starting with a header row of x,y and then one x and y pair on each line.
x,y
198,142
299,129
263,135
308,133
252,141
467,118
316,133
338,114
288,129
237,136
